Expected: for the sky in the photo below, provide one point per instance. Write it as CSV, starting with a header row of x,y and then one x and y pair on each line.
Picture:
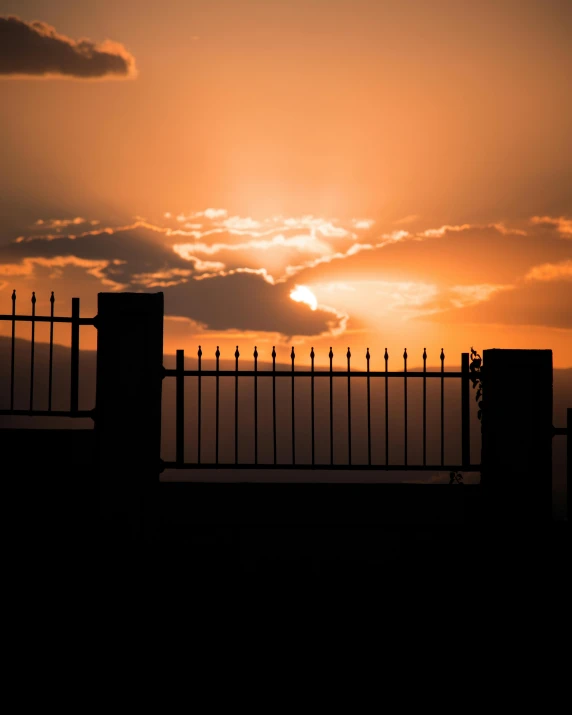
x,y
314,172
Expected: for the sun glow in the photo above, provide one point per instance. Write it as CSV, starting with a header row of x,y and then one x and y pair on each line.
x,y
302,294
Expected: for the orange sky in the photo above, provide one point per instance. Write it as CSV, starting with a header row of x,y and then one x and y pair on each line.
x,y
407,163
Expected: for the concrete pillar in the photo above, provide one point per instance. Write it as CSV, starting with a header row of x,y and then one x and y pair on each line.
x,y
128,412
517,435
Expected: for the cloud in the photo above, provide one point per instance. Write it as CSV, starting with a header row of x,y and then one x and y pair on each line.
x,y
59,223
473,294
95,268
35,49
551,272
363,223
561,224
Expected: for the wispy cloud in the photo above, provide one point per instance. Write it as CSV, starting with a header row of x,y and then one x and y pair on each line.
x,y
551,272
406,219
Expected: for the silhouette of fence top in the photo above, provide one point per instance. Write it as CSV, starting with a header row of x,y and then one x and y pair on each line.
x,y
180,373
75,321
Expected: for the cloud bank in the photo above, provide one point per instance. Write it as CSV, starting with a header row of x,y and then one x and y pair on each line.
x,y
35,49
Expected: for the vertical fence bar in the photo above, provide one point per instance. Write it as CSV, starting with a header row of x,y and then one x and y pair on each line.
x,y
331,356
180,408
405,403
368,412
292,356
51,363
217,355
424,407
199,401
255,405
32,347
74,387
236,355
442,358
348,355
274,400
312,355
386,358
465,411
12,364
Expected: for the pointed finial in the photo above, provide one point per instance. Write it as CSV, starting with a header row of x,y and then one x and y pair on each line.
x,y
312,353
52,299
292,355
236,353
442,356
255,353
274,352
200,352
405,353
14,294
217,354
367,354
331,354
33,297
348,354
424,353
386,356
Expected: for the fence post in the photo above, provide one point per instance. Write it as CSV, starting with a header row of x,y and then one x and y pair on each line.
x,y
517,435
128,411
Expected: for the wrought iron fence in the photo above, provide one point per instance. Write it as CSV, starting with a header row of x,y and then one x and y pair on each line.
x,y
76,322
180,373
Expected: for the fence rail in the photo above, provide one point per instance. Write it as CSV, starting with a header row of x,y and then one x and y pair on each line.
x,y
75,321
179,373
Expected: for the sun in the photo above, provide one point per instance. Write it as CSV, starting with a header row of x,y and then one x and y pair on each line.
x,y
302,294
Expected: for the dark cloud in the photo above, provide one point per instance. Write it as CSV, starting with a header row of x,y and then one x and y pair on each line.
x,y
547,304
36,49
477,255
245,301
242,301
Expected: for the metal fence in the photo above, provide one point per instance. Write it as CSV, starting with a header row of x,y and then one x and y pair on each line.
x,y
349,375
75,322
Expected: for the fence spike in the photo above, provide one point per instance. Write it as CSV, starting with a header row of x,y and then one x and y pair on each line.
x,y
348,354
386,356
217,353
274,352
405,353
367,354
14,295
312,354
292,354
442,356
424,354
331,354
236,354
33,297
52,299
255,352
200,352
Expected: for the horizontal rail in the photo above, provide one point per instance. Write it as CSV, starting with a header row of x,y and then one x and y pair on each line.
x,y
48,319
47,413
329,467
308,373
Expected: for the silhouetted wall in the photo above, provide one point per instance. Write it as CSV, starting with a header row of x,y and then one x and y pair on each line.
x,y
128,407
517,434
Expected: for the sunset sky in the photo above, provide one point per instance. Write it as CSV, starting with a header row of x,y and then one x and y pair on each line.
x,y
371,173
